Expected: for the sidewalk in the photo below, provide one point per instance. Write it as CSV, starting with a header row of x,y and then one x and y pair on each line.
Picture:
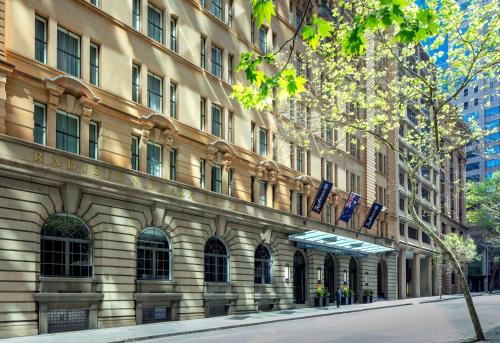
x,y
166,329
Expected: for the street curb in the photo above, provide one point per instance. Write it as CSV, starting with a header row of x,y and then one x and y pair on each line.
x,y
138,339
447,299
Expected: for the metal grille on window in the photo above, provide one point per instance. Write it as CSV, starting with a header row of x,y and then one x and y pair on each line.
x,y
216,261
156,314
153,255
66,247
263,265
217,310
61,320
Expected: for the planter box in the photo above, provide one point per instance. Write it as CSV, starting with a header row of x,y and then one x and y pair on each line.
x,y
325,301
371,298
343,301
318,302
365,299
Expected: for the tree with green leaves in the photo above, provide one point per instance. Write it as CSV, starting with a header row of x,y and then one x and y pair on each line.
x,y
483,211
464,249
367,69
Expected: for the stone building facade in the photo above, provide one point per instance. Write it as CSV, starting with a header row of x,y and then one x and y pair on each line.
x,y
134,189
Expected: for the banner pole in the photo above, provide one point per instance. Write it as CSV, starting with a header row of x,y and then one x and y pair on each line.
x,y
307,215
357,233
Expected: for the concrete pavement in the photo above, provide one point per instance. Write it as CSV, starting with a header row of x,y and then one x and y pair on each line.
x,y
168,329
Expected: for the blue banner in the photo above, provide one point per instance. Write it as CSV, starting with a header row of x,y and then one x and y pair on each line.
x,y
321,196
349,207
372,215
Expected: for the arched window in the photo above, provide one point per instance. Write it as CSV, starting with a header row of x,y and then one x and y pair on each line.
x,y
263,264
216,261
66,247
153,255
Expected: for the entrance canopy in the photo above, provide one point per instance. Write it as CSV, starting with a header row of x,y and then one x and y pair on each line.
x,y
329,242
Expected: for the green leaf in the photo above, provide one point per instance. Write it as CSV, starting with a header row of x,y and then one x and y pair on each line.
x,y
263,11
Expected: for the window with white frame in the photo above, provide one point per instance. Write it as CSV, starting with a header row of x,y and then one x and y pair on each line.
x,y
94,64
203,52
134,150
93,139
40,39
40,124
173,164
68,52
173,34
230,13
217,61
155,92
154,255
202,174
216,9
154,159
136,82
216,121
263,265
155,23
263,39
136,14
216,178
262,142
173,100
68,132
262,193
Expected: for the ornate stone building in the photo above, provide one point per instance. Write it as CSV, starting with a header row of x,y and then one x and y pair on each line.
x,y
134,189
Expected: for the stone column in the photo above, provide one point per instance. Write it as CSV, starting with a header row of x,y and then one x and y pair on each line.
x,y
52,45
144,17
54,93
402,274
166,161
256,188
143,151
428,266
416,275
144,84
85,58
225,179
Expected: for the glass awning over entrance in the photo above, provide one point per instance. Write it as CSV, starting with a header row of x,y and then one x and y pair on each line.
x,y
329,242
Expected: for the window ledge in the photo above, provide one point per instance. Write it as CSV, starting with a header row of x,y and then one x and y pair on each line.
x,y
68,297
156,282
157,296
66,279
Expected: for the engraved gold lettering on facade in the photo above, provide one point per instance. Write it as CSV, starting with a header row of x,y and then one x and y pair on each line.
x,y
54,162
135,180
97,171
38,156
85,168
71,164
171,190
181,193
107,174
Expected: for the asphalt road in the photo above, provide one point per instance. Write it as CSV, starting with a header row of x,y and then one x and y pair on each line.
x,y
446,321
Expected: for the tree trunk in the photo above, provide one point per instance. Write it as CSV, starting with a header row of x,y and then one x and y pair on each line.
x,y
456,266
492,279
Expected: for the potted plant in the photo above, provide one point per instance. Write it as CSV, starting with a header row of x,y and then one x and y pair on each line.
x,y
326,298
367,295
353,297
320,295
345,296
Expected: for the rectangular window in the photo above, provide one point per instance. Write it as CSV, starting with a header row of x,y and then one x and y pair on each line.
x,y
329,171
93,140
262,142
68,132
230,137
216,121
466,105
466,91
476,101
476,89
68,52
262,193
40,127
230,13
41,39
135,153
299,203
299,156
217,62
230,59
94,64
173,34
202,174
216,8
173,100
155,92
230,182
173,164
275,147
136,14
155,159
136,82
203,115
155,23
252,136
95,3
216,178
263,39
203,53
